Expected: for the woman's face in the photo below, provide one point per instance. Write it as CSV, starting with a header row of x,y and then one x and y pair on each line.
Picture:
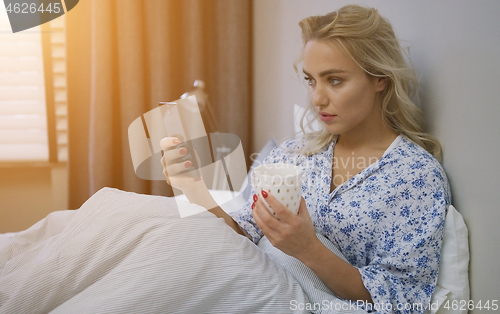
x,y
345,97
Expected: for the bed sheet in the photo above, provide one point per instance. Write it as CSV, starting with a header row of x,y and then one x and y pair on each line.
x,y
123,252
229,201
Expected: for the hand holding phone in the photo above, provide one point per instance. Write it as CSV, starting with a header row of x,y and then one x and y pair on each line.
x,y
180,119
178,164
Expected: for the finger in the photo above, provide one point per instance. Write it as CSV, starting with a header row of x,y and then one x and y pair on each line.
x,y
285,215
303,212
168,142
162,160
171,155
197,157
256,213
264,219
174,169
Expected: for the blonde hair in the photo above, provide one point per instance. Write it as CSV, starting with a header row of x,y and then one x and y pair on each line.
x,y
370,41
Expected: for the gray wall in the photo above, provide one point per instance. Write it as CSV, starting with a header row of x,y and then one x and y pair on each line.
x,y
455,46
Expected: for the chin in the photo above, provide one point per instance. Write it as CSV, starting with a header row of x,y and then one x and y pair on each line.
x,y
332,130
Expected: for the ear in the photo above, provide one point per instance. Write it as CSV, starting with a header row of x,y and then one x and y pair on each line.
x,y
381,83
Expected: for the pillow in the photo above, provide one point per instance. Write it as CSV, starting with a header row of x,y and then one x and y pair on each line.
x,y
246,188
453,279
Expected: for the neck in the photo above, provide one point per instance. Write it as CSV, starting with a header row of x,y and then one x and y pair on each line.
x,y
373,134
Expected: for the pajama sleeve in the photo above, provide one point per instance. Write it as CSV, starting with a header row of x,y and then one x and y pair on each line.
x,y
403,275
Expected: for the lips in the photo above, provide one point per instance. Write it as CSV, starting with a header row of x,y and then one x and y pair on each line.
x,y
326,116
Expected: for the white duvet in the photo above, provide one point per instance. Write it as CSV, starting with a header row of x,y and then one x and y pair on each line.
x,y
123,252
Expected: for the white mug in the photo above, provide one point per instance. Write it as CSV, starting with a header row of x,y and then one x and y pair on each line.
x,y
283,181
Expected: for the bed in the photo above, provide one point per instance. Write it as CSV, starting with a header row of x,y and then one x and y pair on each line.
x,y
123,252
113,255
116,255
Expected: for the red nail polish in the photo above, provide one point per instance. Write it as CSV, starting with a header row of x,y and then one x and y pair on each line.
x,y
264,193
255,198
253,205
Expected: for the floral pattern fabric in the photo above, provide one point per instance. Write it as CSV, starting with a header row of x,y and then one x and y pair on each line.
x,y
387,220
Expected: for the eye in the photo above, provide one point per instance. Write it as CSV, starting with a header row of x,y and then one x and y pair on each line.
x,y
310,81
334,81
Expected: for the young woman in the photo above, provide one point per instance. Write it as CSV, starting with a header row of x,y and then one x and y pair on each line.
x,y
373,185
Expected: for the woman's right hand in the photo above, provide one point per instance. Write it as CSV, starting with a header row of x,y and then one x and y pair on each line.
x,y
171,169
193,187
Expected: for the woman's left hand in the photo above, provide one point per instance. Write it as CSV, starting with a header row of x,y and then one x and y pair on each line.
x,y
292,234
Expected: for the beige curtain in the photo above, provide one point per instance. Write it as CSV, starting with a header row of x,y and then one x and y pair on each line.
x,y
124,56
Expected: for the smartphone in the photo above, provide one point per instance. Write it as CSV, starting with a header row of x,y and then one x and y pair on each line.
x,y
182,119
220,155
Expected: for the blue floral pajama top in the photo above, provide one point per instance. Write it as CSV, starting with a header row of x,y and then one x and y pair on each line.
x,y
387,220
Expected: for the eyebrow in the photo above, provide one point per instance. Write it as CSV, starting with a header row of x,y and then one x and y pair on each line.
x,y
326,72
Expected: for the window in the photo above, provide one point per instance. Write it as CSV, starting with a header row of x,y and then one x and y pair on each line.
x,y
33,123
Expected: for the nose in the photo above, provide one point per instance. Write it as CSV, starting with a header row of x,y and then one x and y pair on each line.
x,y
319,97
